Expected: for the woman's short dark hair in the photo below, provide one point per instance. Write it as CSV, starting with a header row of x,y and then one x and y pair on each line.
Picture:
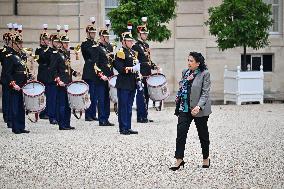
x,y
199,58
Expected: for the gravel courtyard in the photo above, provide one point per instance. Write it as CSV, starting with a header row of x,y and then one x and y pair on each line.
x,y
247,151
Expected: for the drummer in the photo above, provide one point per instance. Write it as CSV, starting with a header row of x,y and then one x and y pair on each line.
x,y
125,83
103,69
61,66
45,76
144,57
88,70
17,74
7,48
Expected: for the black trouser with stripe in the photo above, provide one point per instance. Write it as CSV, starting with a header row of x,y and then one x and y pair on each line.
x,y
184,121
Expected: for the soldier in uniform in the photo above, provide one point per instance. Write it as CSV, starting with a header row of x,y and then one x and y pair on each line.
x,y
103,68
61,67
17,74
45,76
142,96
88,70
7,48
126,83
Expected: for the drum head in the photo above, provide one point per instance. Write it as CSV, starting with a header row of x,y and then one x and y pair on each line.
x,y
77,88
156,80
33,89
112,81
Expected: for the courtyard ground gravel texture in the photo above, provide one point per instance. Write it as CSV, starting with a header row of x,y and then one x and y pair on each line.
x,y
246,151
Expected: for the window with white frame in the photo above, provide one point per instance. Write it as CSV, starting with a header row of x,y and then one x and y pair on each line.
x,y
109,5
254,61
277,11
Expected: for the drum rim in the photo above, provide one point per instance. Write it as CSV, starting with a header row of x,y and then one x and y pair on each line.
x,y
33,96
32,111
160,100
157,85
115,75
79,81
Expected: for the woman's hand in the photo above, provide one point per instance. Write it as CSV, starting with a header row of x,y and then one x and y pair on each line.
x,y
195,111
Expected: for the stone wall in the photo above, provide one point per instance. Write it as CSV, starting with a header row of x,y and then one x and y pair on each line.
x,y
188,34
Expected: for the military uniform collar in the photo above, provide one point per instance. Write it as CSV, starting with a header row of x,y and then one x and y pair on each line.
x,y
43,46
90,40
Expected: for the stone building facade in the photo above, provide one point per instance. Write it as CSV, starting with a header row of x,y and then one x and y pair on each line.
x,y
188,34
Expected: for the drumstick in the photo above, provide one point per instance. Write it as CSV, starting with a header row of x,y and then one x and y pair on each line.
x,y
157,70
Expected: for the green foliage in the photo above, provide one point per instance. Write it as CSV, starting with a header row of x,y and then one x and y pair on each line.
x,y
240,23
158,12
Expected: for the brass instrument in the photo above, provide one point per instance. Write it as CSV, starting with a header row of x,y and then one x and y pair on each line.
x,y
27,50
29,53
30,59
114,45
77,50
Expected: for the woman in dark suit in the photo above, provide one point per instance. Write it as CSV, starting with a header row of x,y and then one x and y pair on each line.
x,y
193,103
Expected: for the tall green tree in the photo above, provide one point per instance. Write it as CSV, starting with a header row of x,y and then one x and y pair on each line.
x,y
158,12
240,23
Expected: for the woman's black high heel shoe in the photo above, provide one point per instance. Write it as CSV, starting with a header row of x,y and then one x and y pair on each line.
x,y
177,168
206,166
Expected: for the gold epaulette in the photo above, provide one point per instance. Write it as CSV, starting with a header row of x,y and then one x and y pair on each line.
x,y
8,55
120,54
55,52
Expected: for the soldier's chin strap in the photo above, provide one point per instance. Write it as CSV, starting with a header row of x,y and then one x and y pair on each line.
x,y
104,40
89,37
53,46
63,48
141,37
19,49
45,43
6,42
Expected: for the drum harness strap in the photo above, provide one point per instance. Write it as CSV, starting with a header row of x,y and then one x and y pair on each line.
x,y
115,109
36,117
80,115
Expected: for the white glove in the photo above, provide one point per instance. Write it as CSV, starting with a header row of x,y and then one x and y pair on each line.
x,y
136,68
140,85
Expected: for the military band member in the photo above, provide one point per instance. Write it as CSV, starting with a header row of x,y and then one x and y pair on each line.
x,y
126,83
4,51
61,67
88,70
142,96
17,74
45,76
103,68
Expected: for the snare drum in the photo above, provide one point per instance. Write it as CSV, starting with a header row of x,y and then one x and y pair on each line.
x,y
112,89
78,95
34,98
157,87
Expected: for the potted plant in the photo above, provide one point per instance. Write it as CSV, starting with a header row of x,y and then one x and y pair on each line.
x,y
241,23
